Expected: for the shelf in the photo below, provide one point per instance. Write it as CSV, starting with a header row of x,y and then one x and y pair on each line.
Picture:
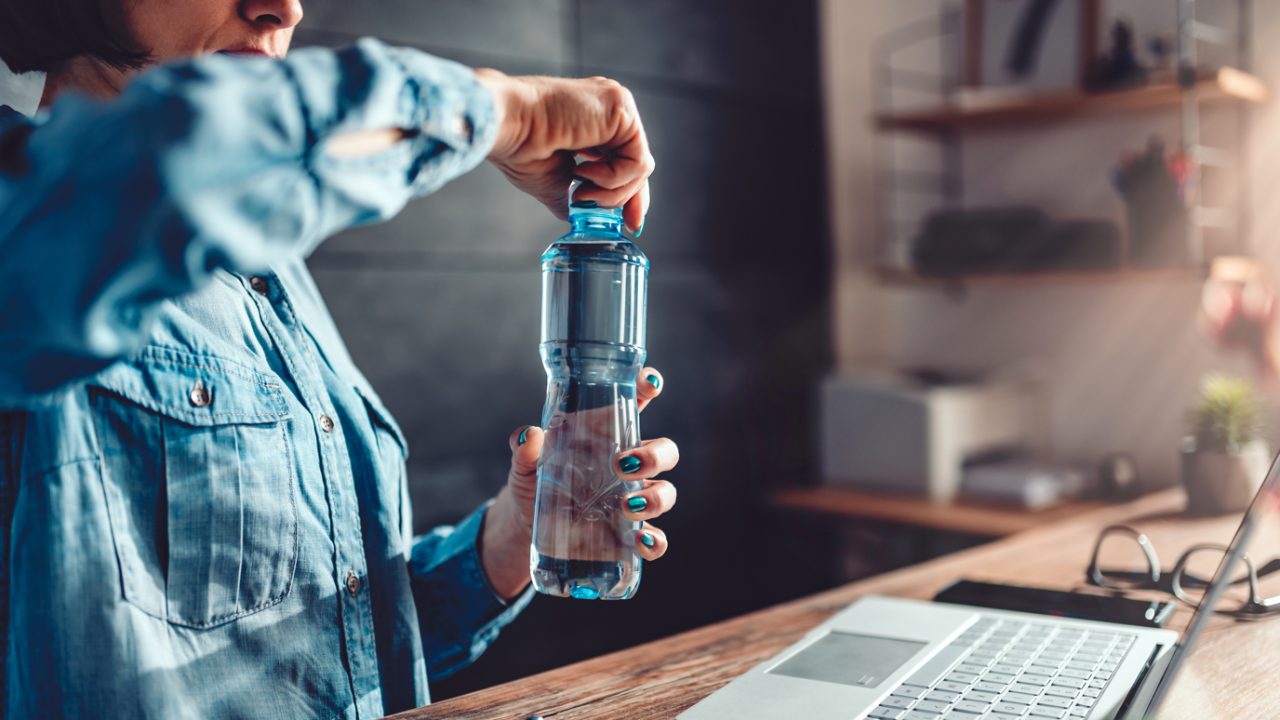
x,y
905,278
962,517
1223,85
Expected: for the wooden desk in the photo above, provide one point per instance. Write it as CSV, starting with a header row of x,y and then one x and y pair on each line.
x,y
1227,677
963,517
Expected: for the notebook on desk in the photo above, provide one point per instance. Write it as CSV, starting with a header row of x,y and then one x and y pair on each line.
x,y
895,659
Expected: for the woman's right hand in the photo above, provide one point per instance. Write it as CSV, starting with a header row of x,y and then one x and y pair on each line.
x,y
547,123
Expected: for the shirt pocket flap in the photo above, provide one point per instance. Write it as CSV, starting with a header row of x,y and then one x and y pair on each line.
x,y
381,415
198,390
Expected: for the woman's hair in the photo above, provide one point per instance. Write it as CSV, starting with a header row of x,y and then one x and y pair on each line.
x,y
42,34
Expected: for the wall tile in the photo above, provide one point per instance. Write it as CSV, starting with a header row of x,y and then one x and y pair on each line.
x,y
530,29
761,49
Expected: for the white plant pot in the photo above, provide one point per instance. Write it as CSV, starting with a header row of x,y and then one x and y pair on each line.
x,y
1223,482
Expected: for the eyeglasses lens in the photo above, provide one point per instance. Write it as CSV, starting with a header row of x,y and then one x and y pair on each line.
x,y
1198,569
1122,562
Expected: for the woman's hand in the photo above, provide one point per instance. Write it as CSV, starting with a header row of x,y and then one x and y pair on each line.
x,y
547,123
508,525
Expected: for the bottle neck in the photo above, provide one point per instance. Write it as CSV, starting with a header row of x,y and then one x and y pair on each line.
x,y
592,222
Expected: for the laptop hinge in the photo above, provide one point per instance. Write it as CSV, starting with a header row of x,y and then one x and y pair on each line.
x,y
1141,680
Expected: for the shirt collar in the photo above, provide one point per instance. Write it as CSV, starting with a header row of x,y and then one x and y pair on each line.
x,y
21,91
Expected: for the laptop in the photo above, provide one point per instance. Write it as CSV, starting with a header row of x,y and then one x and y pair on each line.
x,y
896,659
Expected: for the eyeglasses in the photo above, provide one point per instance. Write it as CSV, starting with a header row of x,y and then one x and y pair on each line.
x,y
1139,569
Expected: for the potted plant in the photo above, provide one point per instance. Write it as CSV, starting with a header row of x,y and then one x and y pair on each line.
x,y
1224,460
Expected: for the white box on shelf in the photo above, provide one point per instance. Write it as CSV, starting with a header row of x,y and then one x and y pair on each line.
x,y
913,431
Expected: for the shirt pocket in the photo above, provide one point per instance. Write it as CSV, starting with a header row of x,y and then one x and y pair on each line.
x,y
199,476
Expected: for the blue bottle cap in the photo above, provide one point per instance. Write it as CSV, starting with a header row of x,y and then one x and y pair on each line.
x,y
589,207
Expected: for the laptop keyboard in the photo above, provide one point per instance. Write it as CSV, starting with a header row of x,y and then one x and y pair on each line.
x,y
1004,669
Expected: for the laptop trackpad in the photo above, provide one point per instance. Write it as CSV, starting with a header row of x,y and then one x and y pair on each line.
x,y
849,659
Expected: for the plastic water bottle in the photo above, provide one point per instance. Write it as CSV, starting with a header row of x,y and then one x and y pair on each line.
x,y
594,289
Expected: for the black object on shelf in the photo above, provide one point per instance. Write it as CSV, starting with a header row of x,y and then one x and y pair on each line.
x,y
1159,222
1016,239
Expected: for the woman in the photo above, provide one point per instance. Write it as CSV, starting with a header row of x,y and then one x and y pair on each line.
x,y
203,501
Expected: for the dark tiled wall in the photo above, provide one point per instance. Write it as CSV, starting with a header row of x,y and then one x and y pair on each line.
x,y
440,307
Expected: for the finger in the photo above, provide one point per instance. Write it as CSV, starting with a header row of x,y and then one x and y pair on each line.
x,y
651,543
622,173
636,209
648,386
611,173
646,461
657,497
526,446
614,198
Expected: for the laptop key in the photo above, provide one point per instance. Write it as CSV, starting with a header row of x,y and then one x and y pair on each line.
x,y
981,696
977,708
1011,709
887,713
1068,682
1021,698
1072,673
1025,688
1047,712
1057,702
1037,680
922,715
997,677
963,677
960,715
894,701
943,696
1078,711
950,686
1056,691
931,706
909,691
986,686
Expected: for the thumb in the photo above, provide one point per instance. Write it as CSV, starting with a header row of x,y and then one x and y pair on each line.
x,y
526,448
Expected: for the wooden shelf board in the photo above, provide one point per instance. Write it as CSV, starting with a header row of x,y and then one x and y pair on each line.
x,y
964,517
1225,84
891,276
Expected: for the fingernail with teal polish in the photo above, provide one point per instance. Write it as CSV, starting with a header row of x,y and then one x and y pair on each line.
x,y
629,464
524,435
648,540
637,503
640,229
654,381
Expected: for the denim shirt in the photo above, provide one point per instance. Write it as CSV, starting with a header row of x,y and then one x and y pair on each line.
x,y
203,506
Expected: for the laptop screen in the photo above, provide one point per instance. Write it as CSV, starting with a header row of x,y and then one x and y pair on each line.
x,y
1228,576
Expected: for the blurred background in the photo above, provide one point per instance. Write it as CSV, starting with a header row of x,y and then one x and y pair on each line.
x,y
923,274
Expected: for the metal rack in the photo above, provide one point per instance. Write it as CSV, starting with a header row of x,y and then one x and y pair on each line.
x,y
945,125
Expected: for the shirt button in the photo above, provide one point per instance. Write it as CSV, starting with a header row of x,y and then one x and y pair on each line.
x,y
200,395
259,284
353,583
326,423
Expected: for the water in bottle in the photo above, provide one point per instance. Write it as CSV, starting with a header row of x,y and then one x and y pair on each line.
x,y
594,286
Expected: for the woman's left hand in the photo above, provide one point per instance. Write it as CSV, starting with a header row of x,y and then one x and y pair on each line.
x,y
508,526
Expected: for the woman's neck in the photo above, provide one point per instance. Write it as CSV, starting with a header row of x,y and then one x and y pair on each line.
x,y
86,75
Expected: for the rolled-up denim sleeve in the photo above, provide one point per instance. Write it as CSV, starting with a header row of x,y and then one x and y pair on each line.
x,y
109,208
458,611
